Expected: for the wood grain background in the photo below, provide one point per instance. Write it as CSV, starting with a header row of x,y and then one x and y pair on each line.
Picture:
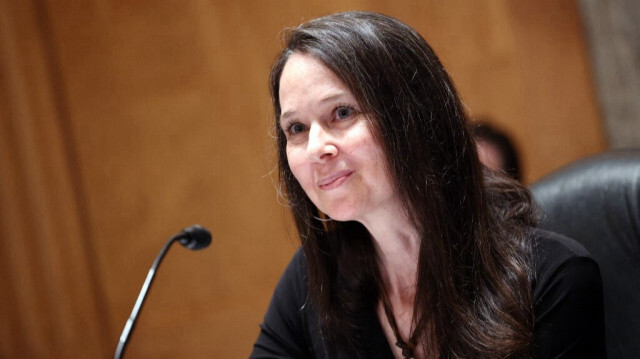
x,y
124,121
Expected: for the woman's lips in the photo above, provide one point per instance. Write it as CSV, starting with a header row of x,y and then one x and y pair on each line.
x,y
335,180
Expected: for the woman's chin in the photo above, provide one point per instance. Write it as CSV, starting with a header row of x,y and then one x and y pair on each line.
x,y
340,214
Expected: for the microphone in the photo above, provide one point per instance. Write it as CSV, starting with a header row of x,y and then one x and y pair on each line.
x,y
194,238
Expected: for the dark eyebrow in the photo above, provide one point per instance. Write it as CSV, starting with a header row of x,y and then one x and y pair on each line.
x,y
333,97
286,115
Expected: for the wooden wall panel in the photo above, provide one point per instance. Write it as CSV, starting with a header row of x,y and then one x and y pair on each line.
x,y
52,300
156,115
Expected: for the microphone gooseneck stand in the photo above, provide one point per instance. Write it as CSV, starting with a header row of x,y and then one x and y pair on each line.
x,y
194,238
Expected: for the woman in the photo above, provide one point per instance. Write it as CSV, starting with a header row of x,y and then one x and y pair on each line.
x,y
408,248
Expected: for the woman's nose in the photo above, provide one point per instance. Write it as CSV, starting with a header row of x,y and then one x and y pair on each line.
x,y
321,144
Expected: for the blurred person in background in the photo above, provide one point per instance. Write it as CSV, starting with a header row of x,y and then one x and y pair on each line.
x,y
496,150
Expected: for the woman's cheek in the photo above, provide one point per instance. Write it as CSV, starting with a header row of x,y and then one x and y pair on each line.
x,y
296,161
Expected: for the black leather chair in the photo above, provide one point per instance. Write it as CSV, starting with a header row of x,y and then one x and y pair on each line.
x,y
596,201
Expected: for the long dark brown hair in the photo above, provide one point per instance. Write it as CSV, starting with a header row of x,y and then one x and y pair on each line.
x,y
474,270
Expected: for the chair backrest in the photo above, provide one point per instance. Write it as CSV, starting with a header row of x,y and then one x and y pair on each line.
x,y
596,201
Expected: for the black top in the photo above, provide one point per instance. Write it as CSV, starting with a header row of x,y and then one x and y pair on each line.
x,y
567,292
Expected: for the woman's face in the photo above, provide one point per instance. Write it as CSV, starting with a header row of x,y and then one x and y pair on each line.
x,y
330,148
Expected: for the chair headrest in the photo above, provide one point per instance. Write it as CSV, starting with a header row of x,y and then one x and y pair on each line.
x,y
594,199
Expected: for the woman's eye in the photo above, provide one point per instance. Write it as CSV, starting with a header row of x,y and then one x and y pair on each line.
x,y
295,128
344,112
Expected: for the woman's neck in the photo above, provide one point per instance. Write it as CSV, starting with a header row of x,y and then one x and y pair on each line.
x,y
397,245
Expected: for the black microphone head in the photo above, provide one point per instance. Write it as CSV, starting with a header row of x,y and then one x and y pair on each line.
x,y
195,237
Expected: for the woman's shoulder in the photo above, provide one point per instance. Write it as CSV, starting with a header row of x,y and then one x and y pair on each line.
x,y
567,295
289,324
294,279
551,249
557,257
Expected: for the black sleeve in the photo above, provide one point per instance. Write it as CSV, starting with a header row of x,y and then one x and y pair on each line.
x,y
569,311
283,334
